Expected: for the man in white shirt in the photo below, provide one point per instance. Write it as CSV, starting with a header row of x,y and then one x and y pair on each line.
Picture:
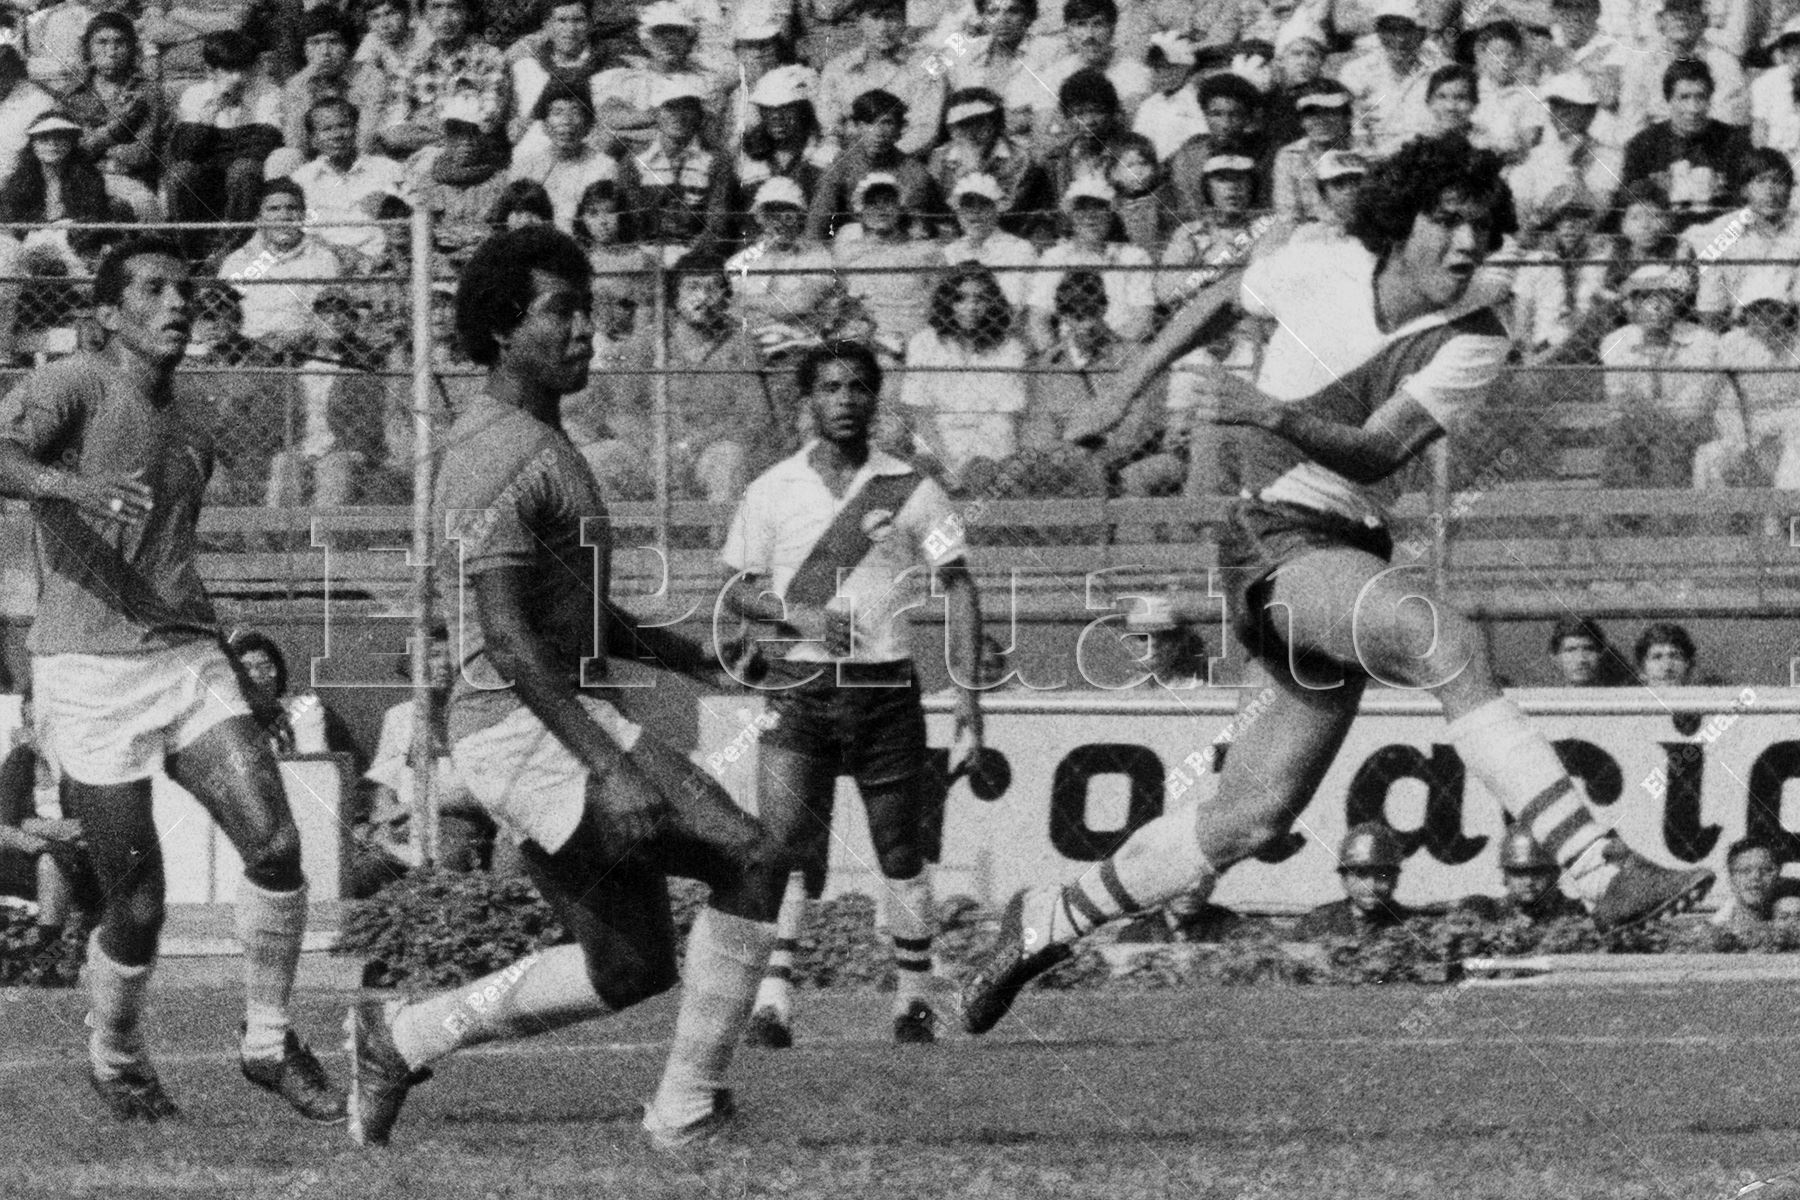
x,y
1751,248
626,98
1387,83
1660,384
976,202
1567,156
1170,116
1682,24
342,185
885,62
1089,27
281,269
566,162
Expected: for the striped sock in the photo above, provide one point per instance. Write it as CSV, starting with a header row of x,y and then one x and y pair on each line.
x,y
726,955
269,926
776,989
910,923
115,1006
1517,764
1162,860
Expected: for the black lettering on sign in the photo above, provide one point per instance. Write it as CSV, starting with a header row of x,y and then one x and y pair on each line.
x,y
1283,846
1069,830
1762,811
1597,770
1442,774
1683,834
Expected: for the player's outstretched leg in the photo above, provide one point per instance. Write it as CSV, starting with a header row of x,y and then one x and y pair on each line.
x,y
772,1014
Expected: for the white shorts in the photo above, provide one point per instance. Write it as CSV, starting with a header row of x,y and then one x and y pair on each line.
x,y
527,779
114,718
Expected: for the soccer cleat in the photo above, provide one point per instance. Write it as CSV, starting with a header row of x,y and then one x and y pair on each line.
x,y
135,1094
297,1078
917,1026
1017,956
379,1077
768,1030
1641,891
698,1132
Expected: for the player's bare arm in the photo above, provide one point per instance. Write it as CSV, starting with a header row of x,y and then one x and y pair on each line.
x,y
1367,453
1210,313
628,637
748,595
962,634
122,498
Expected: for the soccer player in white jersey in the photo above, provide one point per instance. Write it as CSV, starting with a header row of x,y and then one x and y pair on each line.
x,y
1373,359
833,546
130,678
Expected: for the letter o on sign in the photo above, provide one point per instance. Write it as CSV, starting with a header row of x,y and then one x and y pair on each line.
x,y
1069,831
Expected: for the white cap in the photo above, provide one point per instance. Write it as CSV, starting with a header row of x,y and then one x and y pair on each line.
x,y
784,85
874,179
1764,285
1087,187
1406,10
1571,87
664,14
1219,163
1337,164
977,184
1177,50
671,88
779,190
1657,277
1325,101
52,121
1298,28
1156,614
970,109
755,22
461,106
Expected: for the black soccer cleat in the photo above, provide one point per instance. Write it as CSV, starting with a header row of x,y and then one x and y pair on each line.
x,y
916,1026
1642,891
768,1031
297,1078
135,1094
1017,956
379,1076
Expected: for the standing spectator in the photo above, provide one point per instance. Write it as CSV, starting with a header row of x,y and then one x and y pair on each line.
x,y
345,186
1681,26
1658,417
1568,155
1698,160
679,190
453,66
1751,250
868,252
121,111
1170,116
225,126
766,291
879,117
1130,291
1774,105
249,423
1089,35
1387,83
1582,657
281,269
342,412
565,162
329,74
628,99
458,179
885,62
1369,862
964,391
1665,656
786,140
978,145
975,202
1324,113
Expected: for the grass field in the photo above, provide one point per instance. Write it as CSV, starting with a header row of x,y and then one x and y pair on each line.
x,y
1241,1094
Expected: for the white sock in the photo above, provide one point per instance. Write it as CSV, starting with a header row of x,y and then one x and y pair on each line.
x,y
911,921
776,989
115,1007
1162,860
1518,765
725,957
269,926
544,990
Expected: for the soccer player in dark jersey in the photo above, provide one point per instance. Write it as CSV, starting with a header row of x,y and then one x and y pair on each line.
x,y
1374,357
603,810
130,678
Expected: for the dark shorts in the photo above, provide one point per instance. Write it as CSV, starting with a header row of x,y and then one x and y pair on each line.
x,y
872,728
1260,537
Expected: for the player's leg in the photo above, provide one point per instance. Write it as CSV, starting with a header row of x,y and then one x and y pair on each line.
x,y
794,803
1408,639
117,822
230,770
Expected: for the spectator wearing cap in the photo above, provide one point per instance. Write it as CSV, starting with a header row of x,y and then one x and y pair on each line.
x,y
1507,116
281,269
784,141
1528,873
225,126
453,68
1556,294
1774,108
342,414
884,62
1233,108
1170,115
458,179
120,109
1299,47
1369,861
1581,656
1089,26
1324,109
236,401
869,250
975,203
759,45
21,103
679,190
329,74
1697,159
1682,37
1658,417
566,163
344,186
55,181
1596,56
1742,251
998,55
766,293
1219,237
1567,156
978,145
965,387
1759,429
1388,82
879,120
628,99
1130,292
1338,177
559,59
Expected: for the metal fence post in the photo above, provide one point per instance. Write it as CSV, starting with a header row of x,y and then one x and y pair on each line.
x,y
424,749
1440,514
659,402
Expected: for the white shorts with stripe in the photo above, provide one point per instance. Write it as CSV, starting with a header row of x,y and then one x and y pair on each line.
x,y
113,718
527,779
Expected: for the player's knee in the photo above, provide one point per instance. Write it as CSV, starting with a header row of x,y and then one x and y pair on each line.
x,y
273,862
624,980
138,913
901,862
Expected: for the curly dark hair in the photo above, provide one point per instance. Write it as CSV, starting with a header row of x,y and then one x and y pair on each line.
x,y
1414,180
497,286
996,320
1663,633
858,355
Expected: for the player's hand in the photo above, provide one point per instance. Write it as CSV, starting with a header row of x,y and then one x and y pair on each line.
x,y
52,829
126,499
968,733
1232,400
632,807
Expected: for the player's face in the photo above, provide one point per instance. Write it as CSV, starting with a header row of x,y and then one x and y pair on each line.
x,y
1370,888
1753,875
1447,244
554,343
154,315
1578,659
843,406
1526,888
1665,666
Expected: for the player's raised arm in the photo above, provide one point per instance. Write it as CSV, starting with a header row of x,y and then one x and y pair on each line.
x,y
1211,312
1367,453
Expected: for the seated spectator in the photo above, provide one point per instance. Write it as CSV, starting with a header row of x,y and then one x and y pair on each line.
x,y
1369,863
759,44
884,62
245,406
342,409
1338,177
1757,886
627,98
559,60
295,724
1561,303
121,111
1644,233
21,103
978,145
878,118
1089,37
344,186
1130,293
1451,97
998,44
43,858
1529,874
786,139
1388,81
964,391
1140,201
57,182
620,268
459,179
1170,115
1658,417
225,126
1085,141
1583,657
1568,158
565,164
53,36
1167,652
1774,106
679,190
867,250
1664,656
1681,28
1699,162
281,269
1233,108
1759,424
766,291
522,202
388,39
1507,116
1752,249
329,74
1324,114
1297,67
453,67
975,203
1219,237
